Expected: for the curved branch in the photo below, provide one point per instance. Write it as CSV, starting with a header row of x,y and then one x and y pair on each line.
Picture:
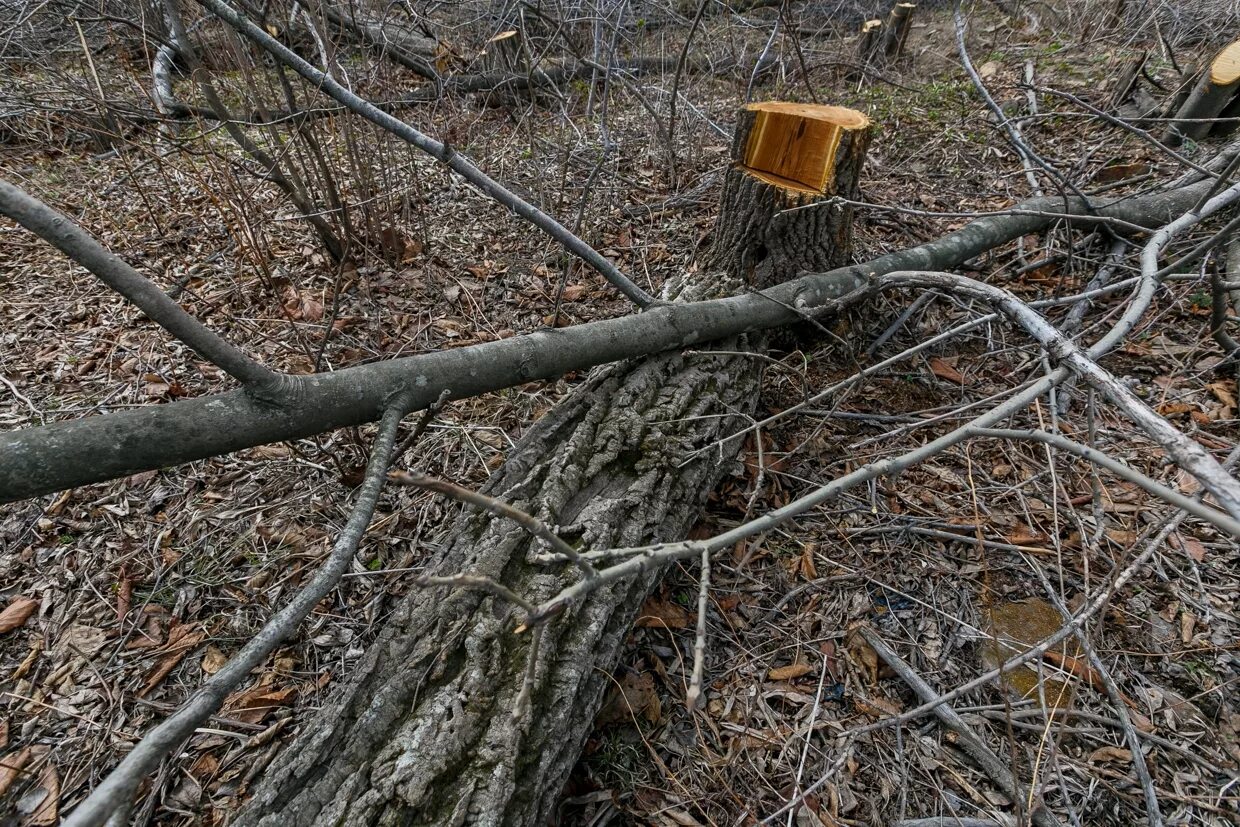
x,y
442,152
115,791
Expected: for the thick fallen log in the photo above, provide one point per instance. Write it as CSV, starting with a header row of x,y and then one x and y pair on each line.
x,y
81,451
426,732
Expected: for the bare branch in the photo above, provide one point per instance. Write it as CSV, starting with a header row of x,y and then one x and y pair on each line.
x,y
116,790
1186,452
442,152
499,508
66,236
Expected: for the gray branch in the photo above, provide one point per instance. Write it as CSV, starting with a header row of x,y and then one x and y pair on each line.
x,y
118,787
67,454
66,236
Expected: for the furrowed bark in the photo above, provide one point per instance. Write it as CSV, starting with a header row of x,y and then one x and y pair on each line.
x,y
1211,95
81,451
426,734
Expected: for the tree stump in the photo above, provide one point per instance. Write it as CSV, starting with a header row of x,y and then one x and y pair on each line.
x,y
424,733
895,33
1216,89
869,40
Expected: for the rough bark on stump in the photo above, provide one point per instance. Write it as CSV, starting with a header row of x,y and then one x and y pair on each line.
x,y
895,33
869,40
424,732
1213,92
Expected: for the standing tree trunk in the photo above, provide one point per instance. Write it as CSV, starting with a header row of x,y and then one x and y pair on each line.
x,y
1211,95
424,733
895,33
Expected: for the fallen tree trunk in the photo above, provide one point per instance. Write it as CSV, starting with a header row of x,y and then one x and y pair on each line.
x,y
414,51
426,732
81,451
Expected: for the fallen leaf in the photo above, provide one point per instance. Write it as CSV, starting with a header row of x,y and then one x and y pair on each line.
x,y
944,370
790,672
1191,546
876,707
181,639
213,661
1119,172
256,703
18,611
11,768
662,613
47,810
634,696
1107,755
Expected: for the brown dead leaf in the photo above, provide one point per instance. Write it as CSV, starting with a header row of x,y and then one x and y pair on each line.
x,y
1023,535
1119,172
945,369
574,292
181,639
1110,755
256,703
877,707
11,767
213,661
863,655
1189,545
790,672
662,613
47,810
18,611
633,697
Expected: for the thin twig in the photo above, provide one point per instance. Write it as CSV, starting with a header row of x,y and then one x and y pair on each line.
x,y
699,641
967,739
117,789
499,508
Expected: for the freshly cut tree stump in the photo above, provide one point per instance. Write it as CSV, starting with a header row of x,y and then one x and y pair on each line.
x,y
424,732
869,40
895,33
1209,98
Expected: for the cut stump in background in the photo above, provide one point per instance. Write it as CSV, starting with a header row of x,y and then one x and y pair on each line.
x,y
1216,89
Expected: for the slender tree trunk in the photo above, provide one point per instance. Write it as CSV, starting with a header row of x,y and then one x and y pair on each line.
x,y
424,733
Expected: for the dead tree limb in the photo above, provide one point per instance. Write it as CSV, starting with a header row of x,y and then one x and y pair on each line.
x,y
115,791
413,51
68,454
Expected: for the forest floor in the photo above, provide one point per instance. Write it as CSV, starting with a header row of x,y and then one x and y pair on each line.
x,y
130,593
